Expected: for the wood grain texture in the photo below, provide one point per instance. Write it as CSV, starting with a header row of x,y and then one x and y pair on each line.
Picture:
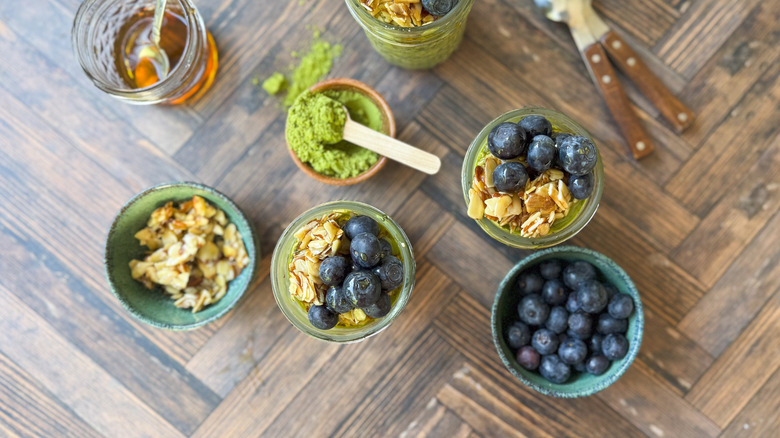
x,y
696,224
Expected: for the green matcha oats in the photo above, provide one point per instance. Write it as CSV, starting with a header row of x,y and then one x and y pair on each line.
x,y
315,127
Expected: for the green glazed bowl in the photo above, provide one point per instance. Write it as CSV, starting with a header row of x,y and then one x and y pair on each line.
x,y
505,312
152,306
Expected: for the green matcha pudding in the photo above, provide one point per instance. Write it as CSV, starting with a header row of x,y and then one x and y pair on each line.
x,y
315,127
417,34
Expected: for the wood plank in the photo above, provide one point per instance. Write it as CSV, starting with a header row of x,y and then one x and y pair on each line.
x,y
741,293
646,20
759,417
67,373
29,409
740,372
735,220
435,420
423,222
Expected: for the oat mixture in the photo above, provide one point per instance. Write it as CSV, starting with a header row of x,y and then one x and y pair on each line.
x,y
195,252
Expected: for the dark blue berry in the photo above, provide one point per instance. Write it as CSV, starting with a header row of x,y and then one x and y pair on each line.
x,y
592,296
594,343
611,290
380,308
536,125
438,7
510,177
614,346
363,288
558,321
559,137
322,317
528,358
385,248
577,273
507,141
581,186
333,270
550,269
541,153
577,155
518,335
554,293
580,367
390,273
359,225
621,306
572,351
529,282
571,303
545,341
608,325
533,310
597,365
553,369
365,250
580,325
337,300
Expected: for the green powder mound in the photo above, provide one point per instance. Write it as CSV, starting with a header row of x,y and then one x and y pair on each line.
x,y
314,65
275,84
314,132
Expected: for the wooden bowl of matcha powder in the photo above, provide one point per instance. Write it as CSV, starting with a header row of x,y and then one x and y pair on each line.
x,y
313,138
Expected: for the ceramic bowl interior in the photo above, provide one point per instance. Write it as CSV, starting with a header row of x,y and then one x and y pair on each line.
x,y
505,312
388,127
153,306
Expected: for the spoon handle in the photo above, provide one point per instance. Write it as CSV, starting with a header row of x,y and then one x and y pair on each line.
x,y
391,148
159,13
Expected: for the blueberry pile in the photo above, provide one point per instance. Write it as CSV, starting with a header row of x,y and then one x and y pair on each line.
x,y
438,7
568,321
533,140
364,280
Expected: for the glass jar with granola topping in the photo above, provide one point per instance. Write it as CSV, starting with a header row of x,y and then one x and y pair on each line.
x,y
311,238
526,222
408,38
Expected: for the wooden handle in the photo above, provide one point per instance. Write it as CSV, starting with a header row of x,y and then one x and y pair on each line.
x,y
632,66
391,148
617,101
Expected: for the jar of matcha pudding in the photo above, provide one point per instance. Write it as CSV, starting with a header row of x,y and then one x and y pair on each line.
x,y
413,35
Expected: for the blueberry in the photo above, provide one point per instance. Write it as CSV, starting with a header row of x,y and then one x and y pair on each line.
x,y
594,343
322,317
510,177
385,248
581,186
390,273
572,351
572,305
541,153
550,269
438,7
507,141
614,346
577,155
363,288
580,325
554,293
545,341
611,291
559,137
359,225
380,308
518,335
529,282
578,272
608,325
337,300
592,296
536,125
365,250
597,365
558,321
533,310
621,306
333,270
553,369
580,367
528,358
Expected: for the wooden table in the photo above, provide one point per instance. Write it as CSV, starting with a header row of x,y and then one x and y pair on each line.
x,y
696,225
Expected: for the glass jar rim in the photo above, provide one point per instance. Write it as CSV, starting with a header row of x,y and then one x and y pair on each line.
x,y
554,238
364,15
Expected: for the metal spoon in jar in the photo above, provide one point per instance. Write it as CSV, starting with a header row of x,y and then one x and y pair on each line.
x,y
154,53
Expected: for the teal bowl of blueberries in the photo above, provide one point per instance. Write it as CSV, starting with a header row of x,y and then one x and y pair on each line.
x,y
567,321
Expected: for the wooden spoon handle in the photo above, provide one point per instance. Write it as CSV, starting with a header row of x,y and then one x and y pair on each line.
x,y
391,148
632,66
617,101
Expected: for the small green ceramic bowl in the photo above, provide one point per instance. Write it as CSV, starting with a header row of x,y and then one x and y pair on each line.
x,y
505,312
153,306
